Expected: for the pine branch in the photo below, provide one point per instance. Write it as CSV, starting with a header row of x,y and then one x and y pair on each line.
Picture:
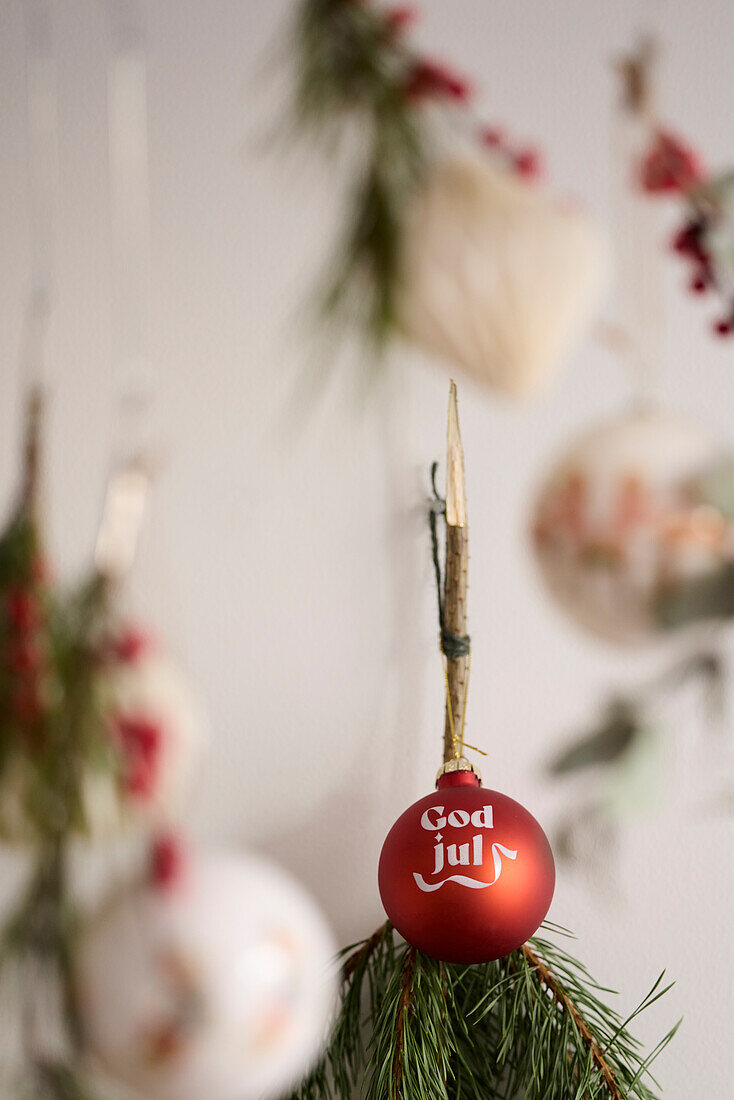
x,y
534,1024
355,75
567,1005
412,1039
403,1008
361,956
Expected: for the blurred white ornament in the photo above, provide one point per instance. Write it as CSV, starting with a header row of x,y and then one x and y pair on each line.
x,y
220,987
497,278
625,515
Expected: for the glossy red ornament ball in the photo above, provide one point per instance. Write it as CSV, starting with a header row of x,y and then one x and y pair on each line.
x,y
466,874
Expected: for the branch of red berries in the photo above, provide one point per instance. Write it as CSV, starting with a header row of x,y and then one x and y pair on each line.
x,y
431,79
671,167
29,673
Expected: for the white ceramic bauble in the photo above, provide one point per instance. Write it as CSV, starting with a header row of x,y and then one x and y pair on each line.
x,y
497,278
623,514
218,988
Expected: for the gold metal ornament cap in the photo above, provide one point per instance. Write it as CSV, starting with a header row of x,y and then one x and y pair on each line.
x,y
458,764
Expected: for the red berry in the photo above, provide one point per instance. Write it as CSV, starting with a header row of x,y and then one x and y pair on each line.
x,y
22,608
698,284
670,166
23,655
432,80
723,327
398,19
167,859
141,741
138,733
149,739
687,241
680,242
40,571
492,137
130,644
25,701
140,779
528,164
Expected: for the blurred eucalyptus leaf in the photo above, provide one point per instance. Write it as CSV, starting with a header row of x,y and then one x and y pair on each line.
x,y
707,597
608,742
709,666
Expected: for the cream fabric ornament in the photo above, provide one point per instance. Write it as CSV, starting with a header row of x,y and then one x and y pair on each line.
x,y
497,278
219,987
625,513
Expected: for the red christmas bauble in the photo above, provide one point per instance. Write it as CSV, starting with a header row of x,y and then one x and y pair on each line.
x,y
466,874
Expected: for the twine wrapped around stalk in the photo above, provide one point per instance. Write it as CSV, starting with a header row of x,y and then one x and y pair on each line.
x,y
451,589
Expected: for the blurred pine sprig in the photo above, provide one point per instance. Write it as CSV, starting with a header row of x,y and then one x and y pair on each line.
x,y
50,732
356,77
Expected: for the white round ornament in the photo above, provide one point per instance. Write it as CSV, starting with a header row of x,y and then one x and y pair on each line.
x,y
624,515
497,278
218,987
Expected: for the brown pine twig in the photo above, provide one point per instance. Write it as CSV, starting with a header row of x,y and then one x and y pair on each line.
x,y
367,948
566,1004
406,989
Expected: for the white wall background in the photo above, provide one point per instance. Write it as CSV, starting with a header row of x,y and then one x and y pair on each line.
x,y
291,569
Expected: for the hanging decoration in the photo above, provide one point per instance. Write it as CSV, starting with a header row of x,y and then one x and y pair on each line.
x,y
632,527
669,167
137,727
705,240
530,1022
156,727
99,729
630,520
466,874
211,978
95,735
486,872
450,242
496,278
